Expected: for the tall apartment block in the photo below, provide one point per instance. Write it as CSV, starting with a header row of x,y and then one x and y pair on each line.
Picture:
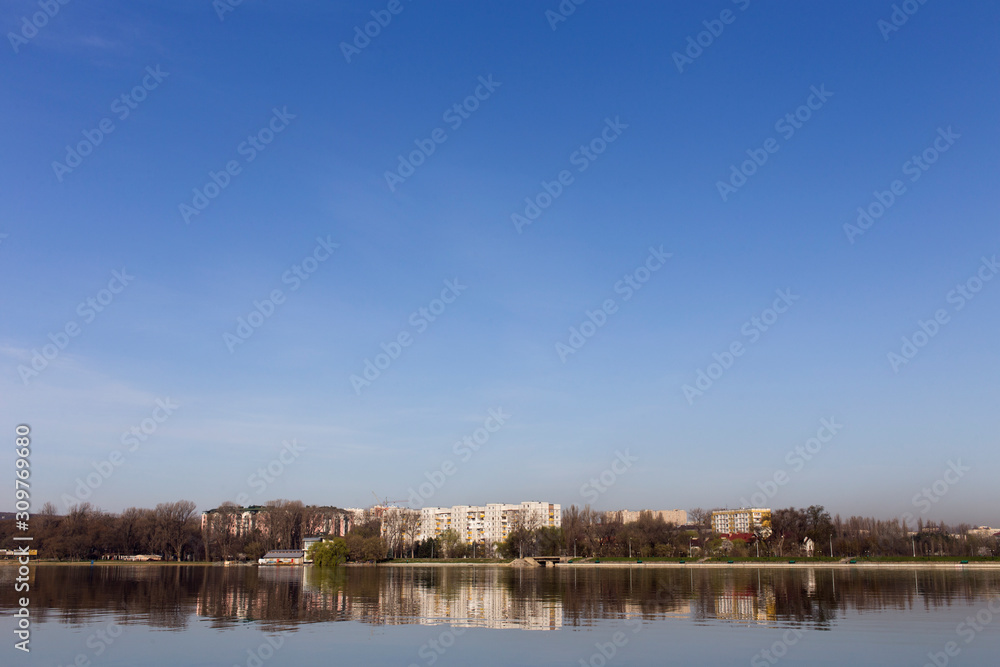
x,y
487,523
676,517
743,520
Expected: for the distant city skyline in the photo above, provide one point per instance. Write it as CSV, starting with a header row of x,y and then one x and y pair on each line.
x,y
637,255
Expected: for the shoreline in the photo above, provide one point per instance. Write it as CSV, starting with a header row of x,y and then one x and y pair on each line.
x,y
744,565
984,565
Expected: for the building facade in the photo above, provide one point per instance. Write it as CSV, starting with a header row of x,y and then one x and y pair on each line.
x,y
487,524
676,517
282,557
743,520
234,520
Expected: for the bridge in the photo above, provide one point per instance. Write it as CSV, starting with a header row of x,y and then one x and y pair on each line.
x,y
545,560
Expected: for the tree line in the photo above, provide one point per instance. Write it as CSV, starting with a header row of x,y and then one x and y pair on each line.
x,y
173,532
588,533
87,533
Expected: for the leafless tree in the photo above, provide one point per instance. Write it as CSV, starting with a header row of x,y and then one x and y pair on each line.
x,y
174,526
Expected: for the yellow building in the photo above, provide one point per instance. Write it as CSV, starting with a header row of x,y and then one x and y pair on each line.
x,y
743,520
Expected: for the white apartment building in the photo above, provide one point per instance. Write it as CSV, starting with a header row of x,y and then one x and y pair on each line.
x,y
743,520
676,517
487,524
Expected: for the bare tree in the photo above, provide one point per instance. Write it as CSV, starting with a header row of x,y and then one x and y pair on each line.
x,y
174,525
224,531
697,516
284,521
131,530
410,528
394,529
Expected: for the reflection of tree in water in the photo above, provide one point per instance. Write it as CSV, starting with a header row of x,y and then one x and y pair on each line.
x,y
765,596
159,597
165,596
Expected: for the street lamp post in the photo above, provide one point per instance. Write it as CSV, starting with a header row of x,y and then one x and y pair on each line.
x,y
630,547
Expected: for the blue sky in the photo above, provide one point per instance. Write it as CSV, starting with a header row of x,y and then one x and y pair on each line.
x,y
888,95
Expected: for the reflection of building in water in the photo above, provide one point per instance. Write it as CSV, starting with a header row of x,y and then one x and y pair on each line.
x,y
483,599
677,609
244,602
811,582
487,607
747,604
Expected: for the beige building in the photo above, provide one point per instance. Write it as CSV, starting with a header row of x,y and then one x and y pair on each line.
x,y
676,517
487,524
743,520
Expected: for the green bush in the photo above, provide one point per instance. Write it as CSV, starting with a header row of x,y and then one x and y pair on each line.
x,y
329,554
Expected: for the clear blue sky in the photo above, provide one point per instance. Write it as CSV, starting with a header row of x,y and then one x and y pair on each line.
x,y
887,95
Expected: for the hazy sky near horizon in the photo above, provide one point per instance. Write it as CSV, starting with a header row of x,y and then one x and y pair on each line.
x,y
516,176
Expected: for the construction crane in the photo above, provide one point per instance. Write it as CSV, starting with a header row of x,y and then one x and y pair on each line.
x,y
386,502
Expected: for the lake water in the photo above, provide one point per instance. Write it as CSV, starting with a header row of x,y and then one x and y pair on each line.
x,y
570,615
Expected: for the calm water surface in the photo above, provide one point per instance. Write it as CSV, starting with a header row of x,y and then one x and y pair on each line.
x,y
265,617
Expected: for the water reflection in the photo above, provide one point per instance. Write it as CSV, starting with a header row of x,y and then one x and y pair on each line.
x,y
281,598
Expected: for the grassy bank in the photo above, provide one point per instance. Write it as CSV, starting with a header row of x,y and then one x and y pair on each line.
x,y
821,561
446,561
806,560
612,561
